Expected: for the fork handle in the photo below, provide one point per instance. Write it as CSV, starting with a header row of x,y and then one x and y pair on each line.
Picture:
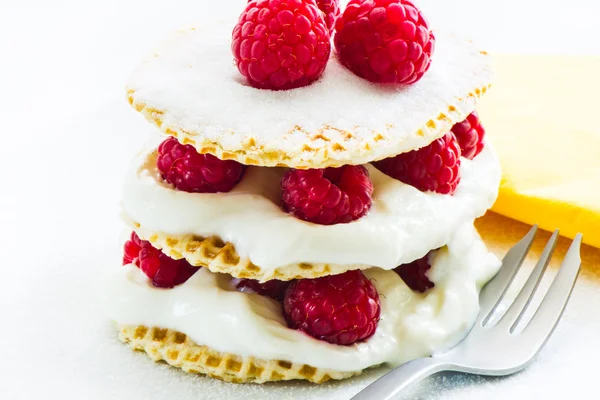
x,y
392,383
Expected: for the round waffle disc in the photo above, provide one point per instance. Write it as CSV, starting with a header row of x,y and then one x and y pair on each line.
x,y
218,256
190,89
180,351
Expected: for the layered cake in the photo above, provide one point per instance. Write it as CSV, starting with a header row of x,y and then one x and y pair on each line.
x,y
306,211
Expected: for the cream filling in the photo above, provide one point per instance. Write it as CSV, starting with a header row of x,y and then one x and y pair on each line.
x,y
402,225
211,312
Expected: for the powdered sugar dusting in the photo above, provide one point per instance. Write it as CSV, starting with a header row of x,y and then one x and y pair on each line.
x,y
192,82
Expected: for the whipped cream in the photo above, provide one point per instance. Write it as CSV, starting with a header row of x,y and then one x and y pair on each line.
x,y
402,225
211,312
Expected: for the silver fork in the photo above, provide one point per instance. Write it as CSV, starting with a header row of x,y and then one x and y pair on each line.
x,y
497,348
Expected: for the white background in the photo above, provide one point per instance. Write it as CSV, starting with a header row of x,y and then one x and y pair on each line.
x,y
67,135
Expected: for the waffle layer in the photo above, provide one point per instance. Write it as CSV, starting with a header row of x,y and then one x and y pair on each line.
x,y
219,256
178,350
190,89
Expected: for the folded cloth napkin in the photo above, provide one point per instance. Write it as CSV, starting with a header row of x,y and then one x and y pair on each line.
x,y
543,116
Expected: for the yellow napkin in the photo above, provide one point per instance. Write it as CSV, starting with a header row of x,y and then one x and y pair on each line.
x,y
543,116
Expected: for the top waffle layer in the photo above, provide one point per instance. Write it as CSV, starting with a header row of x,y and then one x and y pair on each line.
x,y
191,90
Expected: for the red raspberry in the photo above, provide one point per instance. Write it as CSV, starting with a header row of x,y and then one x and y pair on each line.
x,y
469,134
281,44
184,168
433,168
331,9
414,274
387,41
160,268
327,196
274,289
340,309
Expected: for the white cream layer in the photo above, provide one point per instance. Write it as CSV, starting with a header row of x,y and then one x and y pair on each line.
x,y
211,312
402,225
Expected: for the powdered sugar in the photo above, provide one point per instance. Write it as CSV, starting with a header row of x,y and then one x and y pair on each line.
x,y
191,81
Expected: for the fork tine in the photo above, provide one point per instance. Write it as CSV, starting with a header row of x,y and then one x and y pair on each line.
x,y
516,310
493,293
548,314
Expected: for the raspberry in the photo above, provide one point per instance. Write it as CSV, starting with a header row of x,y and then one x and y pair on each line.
x,y
331,9
340,309
274,289
327,196
160,268
433,168
469,134
184,168
387,41
281,44
414,274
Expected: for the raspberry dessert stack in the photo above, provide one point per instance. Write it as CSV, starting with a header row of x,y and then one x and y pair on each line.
x,y
307,211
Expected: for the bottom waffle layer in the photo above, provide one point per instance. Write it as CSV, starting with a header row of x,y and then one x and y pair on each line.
x,y
180,351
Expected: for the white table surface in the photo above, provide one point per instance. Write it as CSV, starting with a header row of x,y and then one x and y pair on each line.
x,y
67,138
